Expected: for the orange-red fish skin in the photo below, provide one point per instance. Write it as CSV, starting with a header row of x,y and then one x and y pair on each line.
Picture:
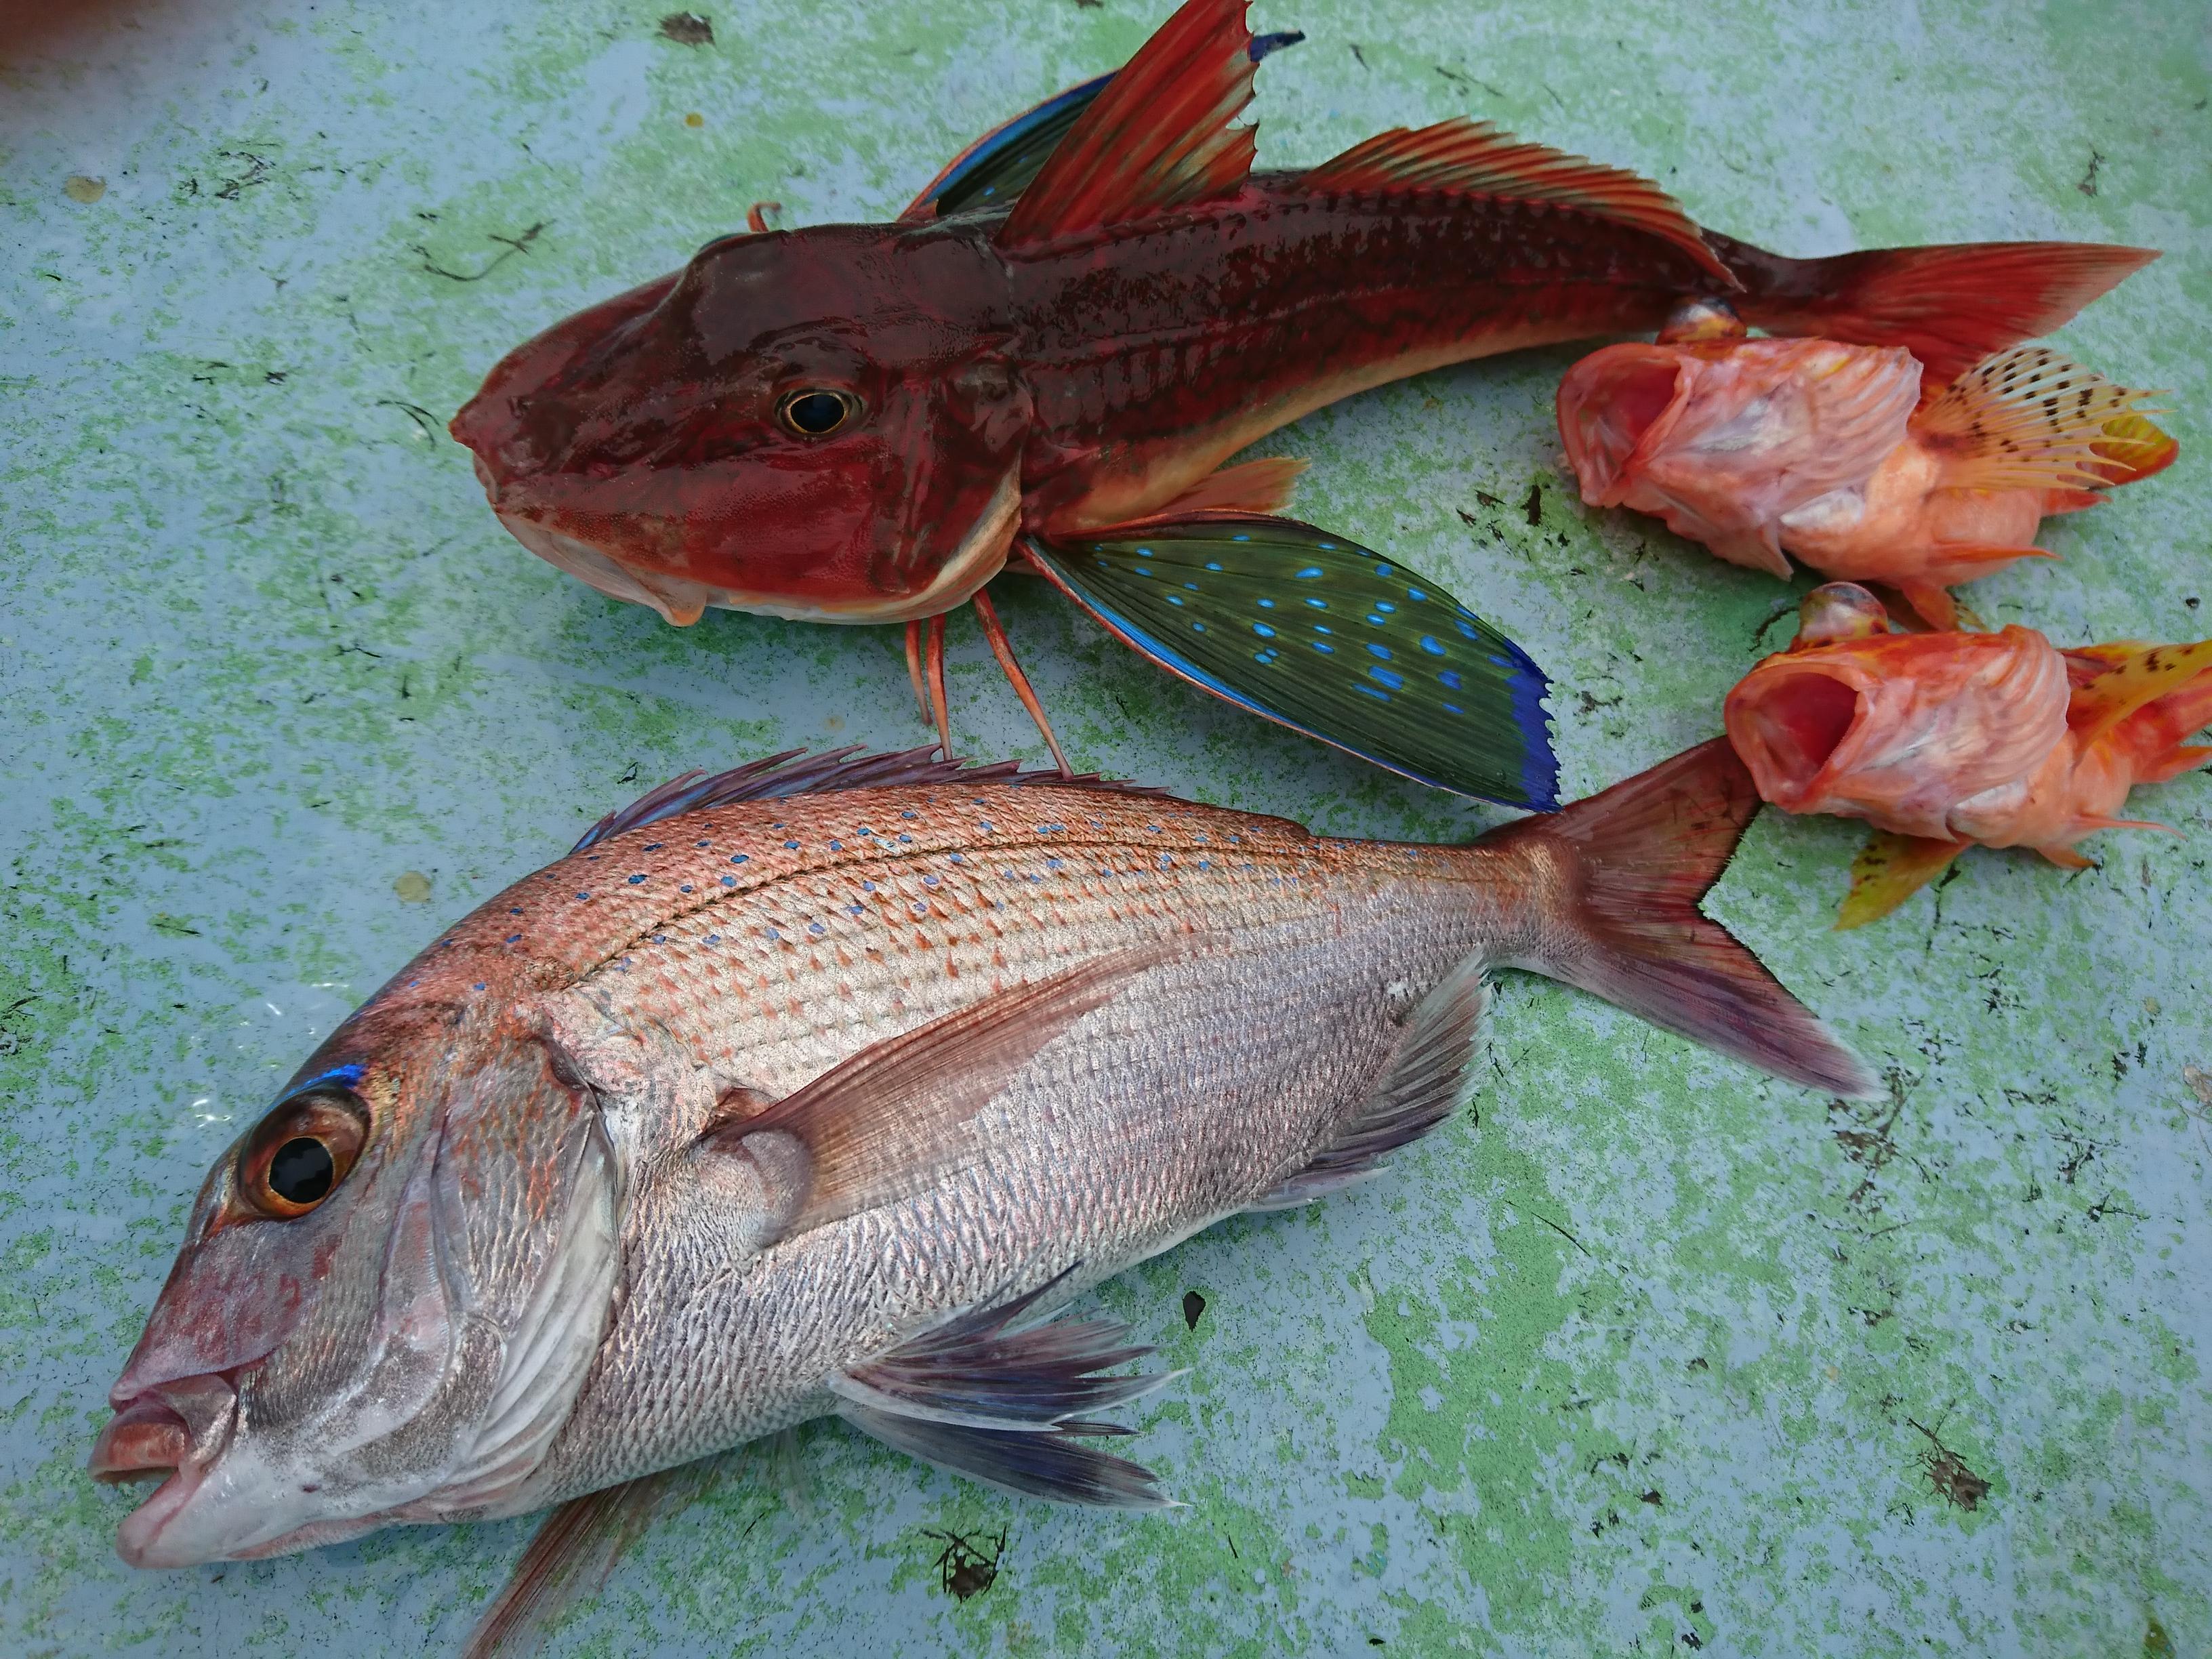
x,y
1961,737
1826,451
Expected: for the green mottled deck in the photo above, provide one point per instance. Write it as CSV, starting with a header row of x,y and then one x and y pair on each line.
x,y
1661,1357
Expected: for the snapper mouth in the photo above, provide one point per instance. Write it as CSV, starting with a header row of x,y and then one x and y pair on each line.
x,y
173,1433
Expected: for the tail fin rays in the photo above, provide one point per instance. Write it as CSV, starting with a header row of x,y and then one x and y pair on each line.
x,y
1629,866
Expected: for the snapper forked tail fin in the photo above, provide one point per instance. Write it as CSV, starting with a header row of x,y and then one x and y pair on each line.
x,y
1949,306
1620,874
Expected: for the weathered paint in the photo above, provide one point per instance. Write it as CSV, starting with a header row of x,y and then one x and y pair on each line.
x,y
1657,1353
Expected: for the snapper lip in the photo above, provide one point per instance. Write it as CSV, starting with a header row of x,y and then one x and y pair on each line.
x,y
173,1432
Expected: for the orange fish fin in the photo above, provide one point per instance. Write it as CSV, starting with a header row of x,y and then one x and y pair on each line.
x,y
1260,486
895,1117
1932,603
1461,157
2144,677
1634,860
574,1550
1950,307
2029,419
2182,757
1889,870
1157,137
2066,858
2131,449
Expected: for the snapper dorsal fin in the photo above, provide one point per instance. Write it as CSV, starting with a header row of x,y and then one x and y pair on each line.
x,y
795,772
1463,157
1159,136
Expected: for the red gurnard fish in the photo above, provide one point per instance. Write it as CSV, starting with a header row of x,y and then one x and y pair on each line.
x,y
1842,457
1054,349
1945,740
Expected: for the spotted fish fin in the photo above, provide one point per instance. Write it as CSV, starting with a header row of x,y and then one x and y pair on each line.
x,y
1157,137
1889,870
977,1370
2138,679
997,167
569,1557
895,1117
1416,1095
1461,157
2029,419
794,771
1322,635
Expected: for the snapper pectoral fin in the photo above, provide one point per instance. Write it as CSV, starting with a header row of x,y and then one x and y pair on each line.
x,y
1321,635
899,1116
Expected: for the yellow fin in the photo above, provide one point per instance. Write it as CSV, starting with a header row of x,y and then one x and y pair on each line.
x,y
2114,695
1889,870
2028,419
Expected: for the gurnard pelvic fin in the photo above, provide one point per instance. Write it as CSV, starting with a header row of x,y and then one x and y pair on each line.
x,y
1318,633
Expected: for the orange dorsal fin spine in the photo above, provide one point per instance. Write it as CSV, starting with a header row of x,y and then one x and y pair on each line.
x,y
1160,135
2143,678
1461,157
2029,419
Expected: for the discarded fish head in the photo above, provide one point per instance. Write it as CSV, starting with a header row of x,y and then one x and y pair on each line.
x,y
806,424
389,1293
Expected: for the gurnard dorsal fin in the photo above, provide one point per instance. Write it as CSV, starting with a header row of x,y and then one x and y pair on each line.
x,y
1005,1406
997,167
1416,1094
1318,633
1159,136
794,771
1461,157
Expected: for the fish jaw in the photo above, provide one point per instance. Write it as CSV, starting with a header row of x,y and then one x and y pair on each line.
x,y
647,447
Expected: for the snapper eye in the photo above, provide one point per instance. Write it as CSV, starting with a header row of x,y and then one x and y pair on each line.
x,y
296,1156
817,413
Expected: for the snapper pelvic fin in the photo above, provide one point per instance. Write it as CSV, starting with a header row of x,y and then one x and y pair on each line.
x,y
1004,1405
1415,1095
1463,157
573,1551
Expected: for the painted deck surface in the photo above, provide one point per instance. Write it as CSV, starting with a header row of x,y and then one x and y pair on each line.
x,y
1660,1357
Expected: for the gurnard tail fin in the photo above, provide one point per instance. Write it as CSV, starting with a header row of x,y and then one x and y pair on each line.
x,y
1949,306
1628,866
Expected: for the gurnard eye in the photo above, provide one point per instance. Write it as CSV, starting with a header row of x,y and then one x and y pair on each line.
x,y
816,414
297,1154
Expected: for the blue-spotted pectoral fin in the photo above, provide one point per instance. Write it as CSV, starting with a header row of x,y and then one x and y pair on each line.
x,y
1324,637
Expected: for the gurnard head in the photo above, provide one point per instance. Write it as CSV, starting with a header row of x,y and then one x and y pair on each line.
x,y
1894,728
389,1294
809,424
